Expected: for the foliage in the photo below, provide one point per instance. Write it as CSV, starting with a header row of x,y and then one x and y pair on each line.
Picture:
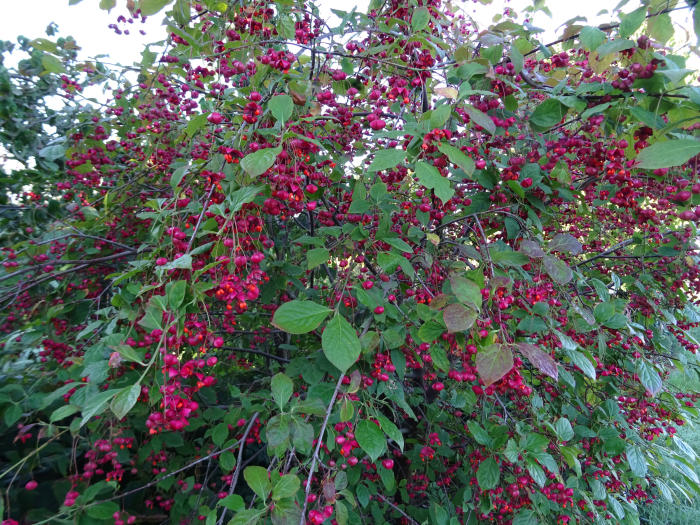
x,y
396,269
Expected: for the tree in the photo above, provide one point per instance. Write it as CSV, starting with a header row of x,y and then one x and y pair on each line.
x,y
403,269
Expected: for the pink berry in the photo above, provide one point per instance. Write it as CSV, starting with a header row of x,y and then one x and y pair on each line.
x,y
388,464
31,485
379,310
215,118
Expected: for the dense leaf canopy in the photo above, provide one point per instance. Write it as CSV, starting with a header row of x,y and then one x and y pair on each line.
x,y
391,267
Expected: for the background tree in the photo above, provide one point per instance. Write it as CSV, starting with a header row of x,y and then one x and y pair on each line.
x,y
403,269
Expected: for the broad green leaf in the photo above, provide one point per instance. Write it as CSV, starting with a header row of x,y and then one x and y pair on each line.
x,y
466,290
151,7
340,343
581,361
391,430
548,114
175,292
563,428
479,434
282,388
281,107
420,19
636,460
457,157
614,46
258,480
370,438
107,5
125,400
386,159
649,377
493,362
52,64
668,153
316,257
232,502
429,176
97,404
536,472
299,317
630,22
63,412
488,474
592,37
506,258
660,27
286,487
260,161
241,196
102,511
439,358
439,116
480,118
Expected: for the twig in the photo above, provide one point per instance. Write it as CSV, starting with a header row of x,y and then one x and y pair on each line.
x,y
314,460
397,509
234,479
257,352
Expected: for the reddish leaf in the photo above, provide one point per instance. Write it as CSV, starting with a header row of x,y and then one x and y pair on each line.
x,y
531,248
493,362
439,301
458,318
540,359
565,243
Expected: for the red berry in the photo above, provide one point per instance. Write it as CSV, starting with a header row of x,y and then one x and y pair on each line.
x,y
379,310
388,464
215,118
31,485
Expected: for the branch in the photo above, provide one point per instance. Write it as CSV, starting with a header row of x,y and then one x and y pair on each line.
x,y
234,479
397,509
257,352
314,460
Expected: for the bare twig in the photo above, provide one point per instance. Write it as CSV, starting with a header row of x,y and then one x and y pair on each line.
x,y
314,459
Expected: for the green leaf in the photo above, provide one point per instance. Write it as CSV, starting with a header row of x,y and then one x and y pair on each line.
x,y
563,428
488,474
63,412
558,270
316,257
548,114
386,159
260,161
439,358
603,311
175,292
370,438
96,404
125,400
493,362
480,118
219,434
258,480
52,64
420,19
479,434
391,430
181,263
649,377
246,517
581,361
281,107
177,176
536,472
282,388
591,37
429,176
232,502
439,115
506,258
242,196
614,46
286,487
102,511
630,22
466,290
458,318
151,7
107,5
660,27
637,461
340,343
668,154
399,244
457,157
299,317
